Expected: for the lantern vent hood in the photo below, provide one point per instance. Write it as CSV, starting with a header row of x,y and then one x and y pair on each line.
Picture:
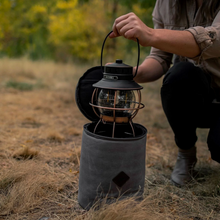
x,y
118,76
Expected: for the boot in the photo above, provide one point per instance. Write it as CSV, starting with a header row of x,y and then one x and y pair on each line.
x,y
184,167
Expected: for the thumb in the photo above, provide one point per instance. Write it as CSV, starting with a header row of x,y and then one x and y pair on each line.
x,y
113,35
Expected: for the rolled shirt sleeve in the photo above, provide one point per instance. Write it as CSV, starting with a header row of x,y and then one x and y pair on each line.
x,y
208,40
165,59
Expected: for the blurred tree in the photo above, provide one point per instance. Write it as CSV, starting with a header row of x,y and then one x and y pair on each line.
x,y
24,27
65,29
76,31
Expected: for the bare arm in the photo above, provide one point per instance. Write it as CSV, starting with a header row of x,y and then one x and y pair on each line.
x,y
178,42
150,70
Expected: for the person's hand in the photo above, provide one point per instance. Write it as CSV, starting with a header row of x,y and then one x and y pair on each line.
x,y
131,27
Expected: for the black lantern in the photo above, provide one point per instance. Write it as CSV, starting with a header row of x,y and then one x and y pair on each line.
x,y
117,96
112,162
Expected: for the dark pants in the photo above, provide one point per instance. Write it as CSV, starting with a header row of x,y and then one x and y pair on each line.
x,y
187,102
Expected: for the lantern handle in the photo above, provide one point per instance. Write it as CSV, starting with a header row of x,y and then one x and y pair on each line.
x,y
138,52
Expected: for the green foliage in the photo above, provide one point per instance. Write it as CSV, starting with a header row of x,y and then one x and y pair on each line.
x,y
142,3
63,29
74,31
23,86
19,85
24,27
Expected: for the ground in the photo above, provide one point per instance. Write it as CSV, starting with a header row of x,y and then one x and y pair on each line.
x,y
40,141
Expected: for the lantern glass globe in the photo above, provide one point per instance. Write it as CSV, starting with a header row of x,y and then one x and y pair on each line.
x,y
125,99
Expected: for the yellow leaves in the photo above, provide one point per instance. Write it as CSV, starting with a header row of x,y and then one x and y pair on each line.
x,y
37,13
64,5
65,27
5,5
78,29
38,9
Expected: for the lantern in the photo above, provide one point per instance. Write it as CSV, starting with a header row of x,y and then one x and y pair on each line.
x,y
112,163
115,96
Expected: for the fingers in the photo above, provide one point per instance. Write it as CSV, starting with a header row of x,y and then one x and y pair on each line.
x,y
125,29
119,23
123,17
131,27
130,34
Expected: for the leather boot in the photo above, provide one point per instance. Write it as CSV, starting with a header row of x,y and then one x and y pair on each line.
x,y
184,167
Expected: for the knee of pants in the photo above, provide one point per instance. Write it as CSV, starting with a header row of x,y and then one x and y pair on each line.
x,y
185,78
184,73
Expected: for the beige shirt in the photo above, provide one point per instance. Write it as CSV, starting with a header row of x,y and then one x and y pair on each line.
x,y
207,35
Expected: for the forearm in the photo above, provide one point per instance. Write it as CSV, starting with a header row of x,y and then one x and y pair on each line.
x,y
181,43
177,42
150,70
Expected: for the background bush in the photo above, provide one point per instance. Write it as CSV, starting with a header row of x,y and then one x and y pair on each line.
x,y
65,30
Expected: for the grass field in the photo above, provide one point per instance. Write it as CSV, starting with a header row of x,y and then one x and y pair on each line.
x,y
40,141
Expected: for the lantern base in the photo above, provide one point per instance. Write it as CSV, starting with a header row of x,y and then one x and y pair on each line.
x,y
114,130
111,168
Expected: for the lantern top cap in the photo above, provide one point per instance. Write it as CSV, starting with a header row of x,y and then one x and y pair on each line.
x,y
120,69
118,63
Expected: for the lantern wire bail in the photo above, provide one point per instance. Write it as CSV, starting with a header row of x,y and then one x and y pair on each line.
x,y
138,53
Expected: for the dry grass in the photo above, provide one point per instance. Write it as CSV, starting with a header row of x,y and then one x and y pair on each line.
x,y
40,140
25,153
30,184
